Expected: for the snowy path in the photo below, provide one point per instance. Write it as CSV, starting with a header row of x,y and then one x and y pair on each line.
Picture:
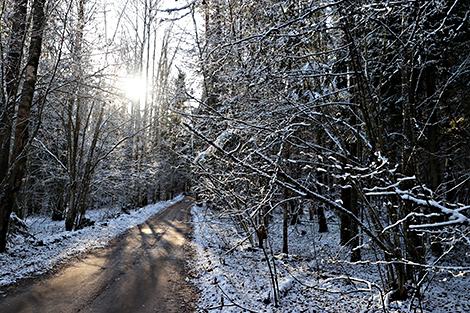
x,y
143,271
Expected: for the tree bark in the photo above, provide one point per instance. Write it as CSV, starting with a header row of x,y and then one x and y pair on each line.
x,y
285,228
434,166
21,133
349,229
74,127
322,222
11,82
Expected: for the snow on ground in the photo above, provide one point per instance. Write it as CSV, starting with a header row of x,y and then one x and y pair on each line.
x,y
52,245
234,277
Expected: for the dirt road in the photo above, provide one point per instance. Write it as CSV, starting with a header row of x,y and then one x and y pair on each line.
x,y
143,271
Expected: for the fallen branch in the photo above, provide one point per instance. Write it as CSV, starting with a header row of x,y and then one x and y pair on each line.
x,y
233,302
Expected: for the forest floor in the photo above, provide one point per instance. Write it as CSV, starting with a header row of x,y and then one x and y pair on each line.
x,y
234,275
142,270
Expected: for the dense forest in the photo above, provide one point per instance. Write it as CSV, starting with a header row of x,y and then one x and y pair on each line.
x,y
358,109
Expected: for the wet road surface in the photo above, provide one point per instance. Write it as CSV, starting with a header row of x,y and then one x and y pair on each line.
x,y
142,271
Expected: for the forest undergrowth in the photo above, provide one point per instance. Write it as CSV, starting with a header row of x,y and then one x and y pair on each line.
x,y
315,276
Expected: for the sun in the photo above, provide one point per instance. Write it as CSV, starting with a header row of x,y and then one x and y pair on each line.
x,y
134,89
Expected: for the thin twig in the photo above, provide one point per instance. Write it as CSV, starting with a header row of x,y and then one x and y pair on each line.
x,y
234,303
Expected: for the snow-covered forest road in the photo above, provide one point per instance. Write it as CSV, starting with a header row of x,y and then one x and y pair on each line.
x,y
143,271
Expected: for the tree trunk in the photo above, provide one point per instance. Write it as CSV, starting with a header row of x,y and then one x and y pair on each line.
x,y
21,134
287,204
345,221
76,110
434,168
285,228
322,223
413,242
349,229
11,82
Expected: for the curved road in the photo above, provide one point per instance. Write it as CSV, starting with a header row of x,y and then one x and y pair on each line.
x,y
142,271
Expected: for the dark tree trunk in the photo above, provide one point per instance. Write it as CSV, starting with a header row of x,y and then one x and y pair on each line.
x,y
345,221
74,128
322,223
285,228
11,81
21,134
413,242
349,229
434,166
11,78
